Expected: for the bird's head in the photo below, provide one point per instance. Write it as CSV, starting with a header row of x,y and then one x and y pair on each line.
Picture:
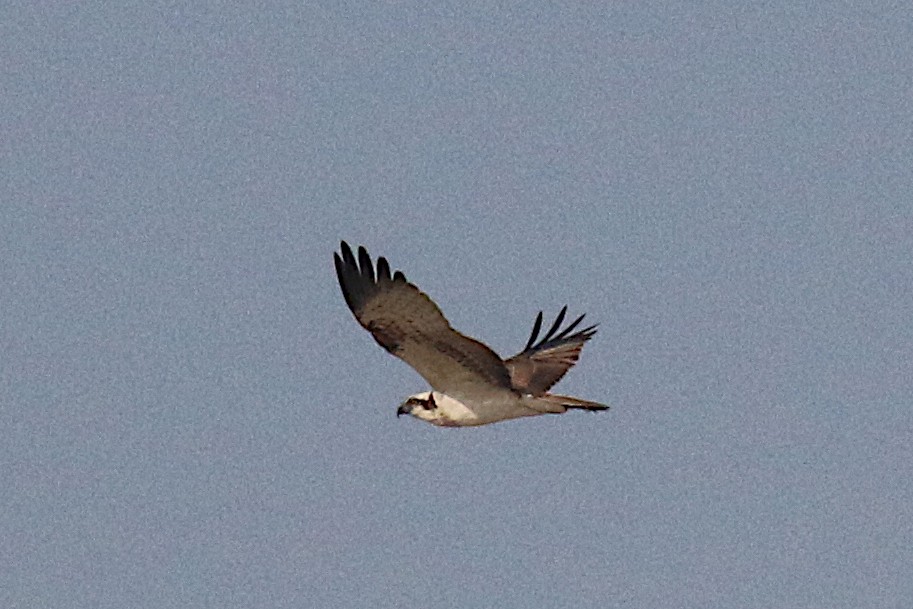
x,y
421,406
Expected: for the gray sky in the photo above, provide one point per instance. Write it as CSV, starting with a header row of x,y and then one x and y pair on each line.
x,y
190,417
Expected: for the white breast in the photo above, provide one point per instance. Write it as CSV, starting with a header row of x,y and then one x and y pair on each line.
x,y
454,410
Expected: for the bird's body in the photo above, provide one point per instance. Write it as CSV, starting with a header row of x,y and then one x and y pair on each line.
x,y
471,385
445,411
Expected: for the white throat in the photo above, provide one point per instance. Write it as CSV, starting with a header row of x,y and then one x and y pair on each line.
x,y
447,411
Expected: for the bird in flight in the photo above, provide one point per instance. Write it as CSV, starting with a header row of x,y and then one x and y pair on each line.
x,y
470,383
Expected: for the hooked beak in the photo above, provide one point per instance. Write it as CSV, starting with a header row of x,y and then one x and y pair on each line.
x,y
403,409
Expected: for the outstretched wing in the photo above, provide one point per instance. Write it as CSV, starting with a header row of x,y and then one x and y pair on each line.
x,y
405,322
540,365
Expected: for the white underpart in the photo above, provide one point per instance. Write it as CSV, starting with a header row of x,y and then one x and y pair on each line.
x,y
451,412
447,409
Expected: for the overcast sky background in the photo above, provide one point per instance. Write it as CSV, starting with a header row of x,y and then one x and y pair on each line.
x,y
190,416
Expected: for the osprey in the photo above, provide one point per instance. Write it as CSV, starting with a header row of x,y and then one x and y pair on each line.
x,y
470,384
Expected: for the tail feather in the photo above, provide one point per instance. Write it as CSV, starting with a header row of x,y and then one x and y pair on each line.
x,y
557,404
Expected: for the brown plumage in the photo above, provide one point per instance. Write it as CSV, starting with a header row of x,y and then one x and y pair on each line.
x,y
408,324
541,365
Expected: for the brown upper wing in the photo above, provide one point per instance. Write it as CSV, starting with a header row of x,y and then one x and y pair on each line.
x,y
405,322
539,366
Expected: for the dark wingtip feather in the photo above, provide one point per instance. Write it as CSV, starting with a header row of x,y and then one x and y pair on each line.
x,y
556,325
535,333
383,269
587,333
347,256
345,269
337,262
356,276
364,261
570,327
551,337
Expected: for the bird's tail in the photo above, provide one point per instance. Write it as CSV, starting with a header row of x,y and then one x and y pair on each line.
x,y
558,404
